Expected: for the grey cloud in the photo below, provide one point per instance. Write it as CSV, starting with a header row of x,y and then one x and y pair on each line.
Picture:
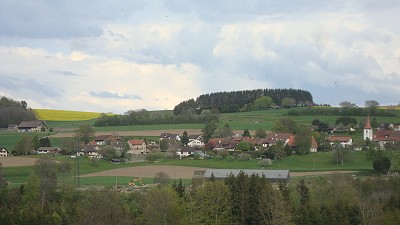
x,y
8,82
42,88
105,94
65,73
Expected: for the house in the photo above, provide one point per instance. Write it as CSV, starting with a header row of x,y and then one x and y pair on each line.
x,y
386,136
31,126
3,152
137,146
48,150
91,151
345,141
108,139
185,151
195,137
226,144
313,147
170,137
195,143
12,127
273,176
273,138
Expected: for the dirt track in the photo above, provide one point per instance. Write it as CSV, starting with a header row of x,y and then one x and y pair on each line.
x,y
136,132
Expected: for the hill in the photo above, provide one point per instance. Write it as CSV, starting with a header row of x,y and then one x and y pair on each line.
x,y
64,115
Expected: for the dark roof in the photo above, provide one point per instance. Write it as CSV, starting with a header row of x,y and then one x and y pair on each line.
x,y
269,174
386,135
1,148
103,137
31,124
48,149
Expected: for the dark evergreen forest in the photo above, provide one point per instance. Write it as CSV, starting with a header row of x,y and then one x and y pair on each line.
x,y
227,102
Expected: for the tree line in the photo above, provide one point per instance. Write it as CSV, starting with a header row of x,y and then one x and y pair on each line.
x,y
335,111
144,117
241,200
234,101
14,112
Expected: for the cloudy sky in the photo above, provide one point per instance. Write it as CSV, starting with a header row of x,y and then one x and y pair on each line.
x,y
113,56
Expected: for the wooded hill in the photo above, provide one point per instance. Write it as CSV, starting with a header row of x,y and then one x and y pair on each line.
x,y
13,112
235,101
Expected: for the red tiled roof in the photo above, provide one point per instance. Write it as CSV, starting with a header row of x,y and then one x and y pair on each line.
x,y
136,142
339,138
367,124
386,135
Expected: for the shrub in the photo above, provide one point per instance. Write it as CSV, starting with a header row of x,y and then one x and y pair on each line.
x,y
265,162
244,157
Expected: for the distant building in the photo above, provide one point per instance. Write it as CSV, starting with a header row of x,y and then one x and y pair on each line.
x,y
48,150
3,152
273,176
31,126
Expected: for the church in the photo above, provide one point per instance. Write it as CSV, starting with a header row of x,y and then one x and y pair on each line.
x,y
380,136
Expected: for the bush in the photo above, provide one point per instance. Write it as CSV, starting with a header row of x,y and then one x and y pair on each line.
x,y
161,178
265,162
152,157
244,157
382,164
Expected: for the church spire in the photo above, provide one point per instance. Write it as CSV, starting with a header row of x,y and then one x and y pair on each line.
x,y
367,124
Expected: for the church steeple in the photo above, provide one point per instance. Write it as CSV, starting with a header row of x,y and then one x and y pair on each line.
x,y
368,130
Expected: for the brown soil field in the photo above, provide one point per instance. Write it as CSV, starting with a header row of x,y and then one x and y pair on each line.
x,y
183,172
17,161
136,132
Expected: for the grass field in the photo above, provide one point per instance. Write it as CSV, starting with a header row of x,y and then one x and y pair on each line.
x,y
64,115
321,161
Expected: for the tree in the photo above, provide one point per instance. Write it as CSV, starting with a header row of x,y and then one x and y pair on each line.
x,y
341,154
162,207
35,142
108,152
285,124
303,140
382,164
210,204
346,104
46,170
243,146
260,133
209,130
371,104
304,210
3,181
288,102
84,133
246,133
226,131
185,138
24,146
164,144
179,188
44,142
263,103
161,178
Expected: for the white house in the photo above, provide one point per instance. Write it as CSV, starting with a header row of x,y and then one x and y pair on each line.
x,y
3,152
345,141
195,143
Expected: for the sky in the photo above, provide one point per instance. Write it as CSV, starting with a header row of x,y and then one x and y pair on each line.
x,y
115,56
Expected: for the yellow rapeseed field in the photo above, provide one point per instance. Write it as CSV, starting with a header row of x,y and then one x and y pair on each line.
x,y
64,115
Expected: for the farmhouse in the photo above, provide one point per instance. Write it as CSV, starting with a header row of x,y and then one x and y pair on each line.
x,y
48,150
273,176
31,126
344,141
3,152
137,146
195,143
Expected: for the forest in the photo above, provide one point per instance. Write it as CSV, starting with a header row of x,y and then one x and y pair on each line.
x,y
13,112
228,102
336,199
